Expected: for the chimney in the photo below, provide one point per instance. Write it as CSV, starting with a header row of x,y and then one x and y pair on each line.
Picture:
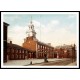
x,y
10,42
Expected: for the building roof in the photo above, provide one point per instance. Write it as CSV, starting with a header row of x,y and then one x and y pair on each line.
x,y
44,44
64,47
17,47
6,24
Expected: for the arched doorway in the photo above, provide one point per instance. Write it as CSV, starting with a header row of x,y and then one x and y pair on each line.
x,y
55,55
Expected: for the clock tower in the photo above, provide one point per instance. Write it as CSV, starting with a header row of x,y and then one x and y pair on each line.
x,y
31,32
30,40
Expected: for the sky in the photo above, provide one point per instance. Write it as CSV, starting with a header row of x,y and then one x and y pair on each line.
x,y
57,29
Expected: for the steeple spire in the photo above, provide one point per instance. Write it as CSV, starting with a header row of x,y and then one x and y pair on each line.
x,y
31,20
31,32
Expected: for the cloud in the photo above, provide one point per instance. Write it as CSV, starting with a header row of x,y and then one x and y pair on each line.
x,y
52,25
11,18
57,35
49,33
54,22
71,16
17,34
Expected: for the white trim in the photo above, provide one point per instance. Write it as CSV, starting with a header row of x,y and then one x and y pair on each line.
x,y
77,13
39,13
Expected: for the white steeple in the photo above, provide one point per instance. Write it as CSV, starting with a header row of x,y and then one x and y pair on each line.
x,y
31,32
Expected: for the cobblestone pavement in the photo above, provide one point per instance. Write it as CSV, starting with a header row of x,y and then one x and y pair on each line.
x,y
27,62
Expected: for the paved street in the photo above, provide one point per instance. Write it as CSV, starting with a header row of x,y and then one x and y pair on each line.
x,y
27,61
63,62
72,64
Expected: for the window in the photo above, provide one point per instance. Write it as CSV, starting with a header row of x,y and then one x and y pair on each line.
x,y
23,51
26,51
19,51
8,50
38,46
16,51
12,50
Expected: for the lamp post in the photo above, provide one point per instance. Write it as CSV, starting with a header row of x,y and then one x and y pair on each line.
x,y
73,53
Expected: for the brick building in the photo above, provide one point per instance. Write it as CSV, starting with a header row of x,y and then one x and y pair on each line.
x,y
33,48
5,26
38,47
13,51
65,51
16,52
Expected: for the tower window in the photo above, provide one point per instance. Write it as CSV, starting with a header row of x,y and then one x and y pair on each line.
x,y
31,27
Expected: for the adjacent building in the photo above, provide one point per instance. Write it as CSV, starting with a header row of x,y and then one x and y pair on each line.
x,y
13,51
5,27
16,52
65,51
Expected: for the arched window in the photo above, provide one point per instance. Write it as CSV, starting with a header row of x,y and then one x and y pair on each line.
x,y
16,50
12,56
43,47
23,51
31,27
26,51
38,46
12,50
8,50
16,56
19,51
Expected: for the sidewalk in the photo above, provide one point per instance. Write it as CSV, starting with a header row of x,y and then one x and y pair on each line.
x,y
26,62
72,64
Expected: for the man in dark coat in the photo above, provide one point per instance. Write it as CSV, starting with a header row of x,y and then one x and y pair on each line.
x,y
45,58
